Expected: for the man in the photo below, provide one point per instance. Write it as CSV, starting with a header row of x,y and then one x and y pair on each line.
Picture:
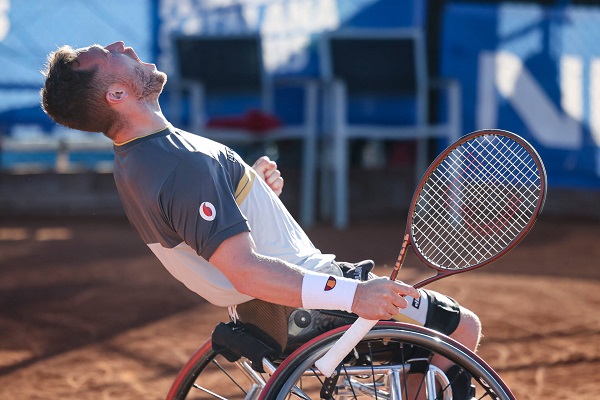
x,y
213,221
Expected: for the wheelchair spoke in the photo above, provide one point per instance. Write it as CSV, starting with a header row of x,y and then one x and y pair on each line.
x,y
209,392
228,375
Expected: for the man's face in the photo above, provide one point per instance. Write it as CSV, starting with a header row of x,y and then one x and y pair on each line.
x,y
119,63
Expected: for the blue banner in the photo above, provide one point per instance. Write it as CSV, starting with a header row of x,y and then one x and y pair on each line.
x,y
534,71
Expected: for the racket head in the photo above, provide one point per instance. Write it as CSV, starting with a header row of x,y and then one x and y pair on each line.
x,y
476,201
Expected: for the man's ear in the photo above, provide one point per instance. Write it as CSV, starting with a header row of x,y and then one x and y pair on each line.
x,y
116,94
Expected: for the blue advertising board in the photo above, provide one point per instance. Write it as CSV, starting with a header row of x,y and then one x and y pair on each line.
x,y
534,71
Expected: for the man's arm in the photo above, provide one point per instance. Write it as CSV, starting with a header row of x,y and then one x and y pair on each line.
x,y
276,281
267,170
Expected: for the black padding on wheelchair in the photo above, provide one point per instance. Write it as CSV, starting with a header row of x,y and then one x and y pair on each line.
x,y
233,341
286,328
304,325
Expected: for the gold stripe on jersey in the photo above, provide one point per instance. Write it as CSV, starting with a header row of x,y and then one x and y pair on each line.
x,y
244,186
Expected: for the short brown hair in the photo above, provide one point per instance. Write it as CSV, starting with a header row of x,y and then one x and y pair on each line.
x,y
75,98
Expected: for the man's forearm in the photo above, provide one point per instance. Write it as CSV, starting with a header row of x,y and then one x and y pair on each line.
x,y
271,280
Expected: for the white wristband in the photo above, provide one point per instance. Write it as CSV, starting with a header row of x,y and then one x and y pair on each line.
x,y
327,292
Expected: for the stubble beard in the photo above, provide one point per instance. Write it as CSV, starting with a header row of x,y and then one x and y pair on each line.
x,y
149,84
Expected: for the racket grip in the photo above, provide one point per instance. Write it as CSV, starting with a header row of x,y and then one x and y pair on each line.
x,y
329,362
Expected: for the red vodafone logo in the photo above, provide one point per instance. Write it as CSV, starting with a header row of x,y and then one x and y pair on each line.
x,y
207,211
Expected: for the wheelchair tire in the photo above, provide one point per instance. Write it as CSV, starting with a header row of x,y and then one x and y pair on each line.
x,y
297,377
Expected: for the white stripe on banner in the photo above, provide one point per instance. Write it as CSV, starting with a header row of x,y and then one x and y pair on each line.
x,y
571,85
548,124
486,114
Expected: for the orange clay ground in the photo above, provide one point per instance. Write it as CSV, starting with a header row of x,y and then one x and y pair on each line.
x,y
87,312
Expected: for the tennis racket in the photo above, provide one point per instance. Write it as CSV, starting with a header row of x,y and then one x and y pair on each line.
x,y
475,202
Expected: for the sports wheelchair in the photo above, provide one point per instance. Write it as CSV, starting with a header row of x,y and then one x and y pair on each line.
x,y
393,361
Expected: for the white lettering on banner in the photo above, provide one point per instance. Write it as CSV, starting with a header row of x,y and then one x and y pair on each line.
x,y
486,114
286,26
571,79
551,126
4,19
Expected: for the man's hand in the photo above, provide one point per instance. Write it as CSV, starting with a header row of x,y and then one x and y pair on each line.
x,y
267,170
380,298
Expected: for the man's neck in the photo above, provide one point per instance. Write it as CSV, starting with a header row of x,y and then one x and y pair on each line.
x,y
139,124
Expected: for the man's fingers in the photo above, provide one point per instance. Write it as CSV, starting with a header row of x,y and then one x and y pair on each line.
x,y
400,302
273,179
405,290
272,175
381,298
267,170
262,165
261,160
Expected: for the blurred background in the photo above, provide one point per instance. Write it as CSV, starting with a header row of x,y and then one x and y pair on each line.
x,y
352,98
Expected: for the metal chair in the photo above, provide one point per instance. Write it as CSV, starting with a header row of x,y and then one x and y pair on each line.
x,y
225,74
389,65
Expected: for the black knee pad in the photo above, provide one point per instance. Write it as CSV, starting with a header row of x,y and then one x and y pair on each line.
x,y
443,314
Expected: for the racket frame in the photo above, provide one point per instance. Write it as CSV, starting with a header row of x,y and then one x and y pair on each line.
x,y
408,240
361,327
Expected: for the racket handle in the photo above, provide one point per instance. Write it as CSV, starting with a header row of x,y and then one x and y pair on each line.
x,y
329,362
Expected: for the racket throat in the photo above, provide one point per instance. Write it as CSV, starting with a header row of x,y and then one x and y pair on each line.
x,y
401,257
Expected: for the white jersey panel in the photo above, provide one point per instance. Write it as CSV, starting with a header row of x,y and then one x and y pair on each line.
x,y
275,231
198,275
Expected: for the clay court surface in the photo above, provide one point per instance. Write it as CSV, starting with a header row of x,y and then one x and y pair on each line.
x,y
86,312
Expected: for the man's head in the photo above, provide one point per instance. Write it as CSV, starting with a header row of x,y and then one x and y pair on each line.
x,y
91,88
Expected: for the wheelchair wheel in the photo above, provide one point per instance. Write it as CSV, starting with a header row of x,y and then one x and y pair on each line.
x,y
392,362
207,375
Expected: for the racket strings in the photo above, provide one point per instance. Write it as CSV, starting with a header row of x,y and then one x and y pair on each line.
x,y
481,250
479,199
473,246
485,185
479,227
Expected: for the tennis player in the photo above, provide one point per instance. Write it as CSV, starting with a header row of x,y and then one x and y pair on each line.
x,y
213,221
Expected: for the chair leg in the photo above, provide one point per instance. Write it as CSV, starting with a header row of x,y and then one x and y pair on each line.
x,y
341,176
421,161
326,195
340,157
309,158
